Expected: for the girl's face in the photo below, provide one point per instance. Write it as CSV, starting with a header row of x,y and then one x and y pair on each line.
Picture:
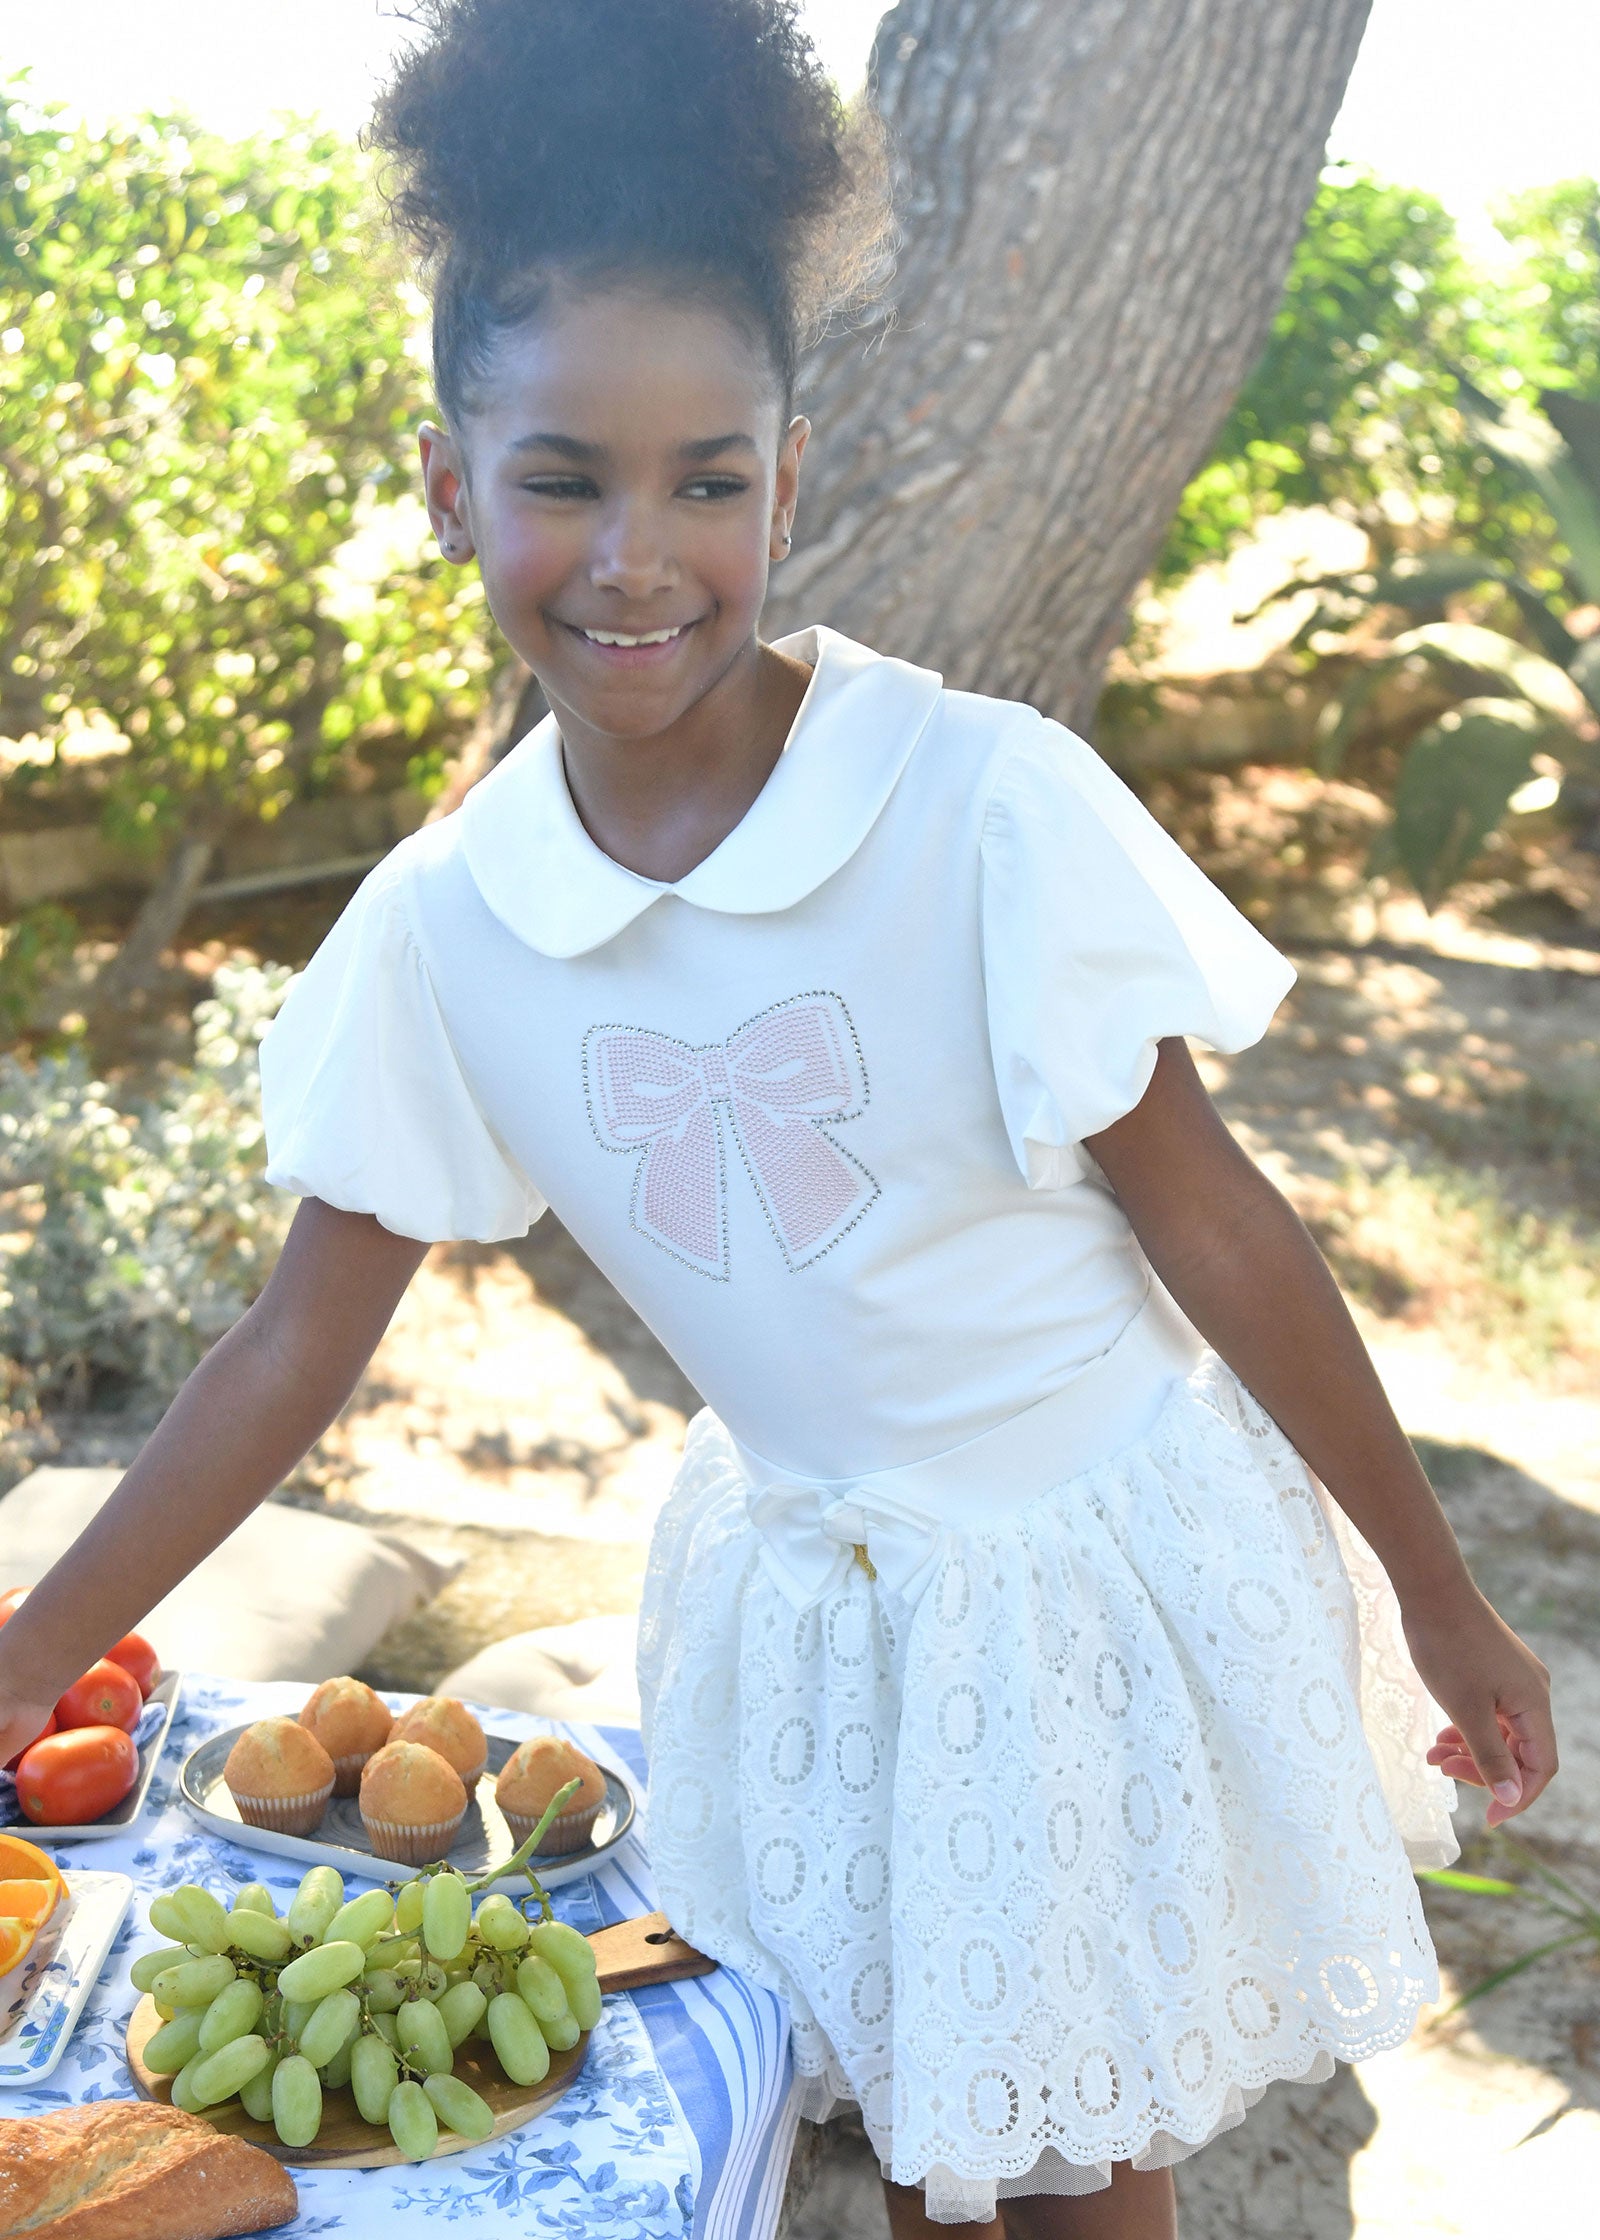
x,y
624,477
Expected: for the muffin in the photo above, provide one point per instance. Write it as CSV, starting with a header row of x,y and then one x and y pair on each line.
x,y
351,1723
412,1803
531,1776
448,1727
280,1777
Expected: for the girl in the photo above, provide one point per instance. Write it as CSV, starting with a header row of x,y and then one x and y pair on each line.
x,y
1019,1705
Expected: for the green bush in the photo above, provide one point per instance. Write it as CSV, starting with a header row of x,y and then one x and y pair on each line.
x,y
210,540
137,1232
1352,403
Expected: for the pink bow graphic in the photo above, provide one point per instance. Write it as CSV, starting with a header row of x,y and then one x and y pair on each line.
x,y
777,1078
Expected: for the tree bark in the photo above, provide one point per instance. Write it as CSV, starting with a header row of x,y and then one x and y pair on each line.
x,y
1099,200
159,921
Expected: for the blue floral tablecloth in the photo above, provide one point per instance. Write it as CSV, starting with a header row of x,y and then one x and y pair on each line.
x,y
679,2128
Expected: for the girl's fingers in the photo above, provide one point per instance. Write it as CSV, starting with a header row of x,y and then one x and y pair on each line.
x,y
1453,1759
1455,1766
1501,1735
1515,1767
1532,1737
1486,1740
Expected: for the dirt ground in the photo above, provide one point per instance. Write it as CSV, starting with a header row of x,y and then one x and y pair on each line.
x,y
1434,1110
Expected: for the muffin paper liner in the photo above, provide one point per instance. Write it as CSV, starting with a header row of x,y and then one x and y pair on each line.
x,y
413,1847
347,1772
568,1831
289,1816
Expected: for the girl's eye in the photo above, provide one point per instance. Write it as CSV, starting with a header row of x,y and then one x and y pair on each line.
x,y
560,486
717,485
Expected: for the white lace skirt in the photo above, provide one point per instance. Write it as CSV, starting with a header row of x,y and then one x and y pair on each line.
x,y
1064,1846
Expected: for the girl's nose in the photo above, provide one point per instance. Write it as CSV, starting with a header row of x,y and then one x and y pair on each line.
x,y
630,554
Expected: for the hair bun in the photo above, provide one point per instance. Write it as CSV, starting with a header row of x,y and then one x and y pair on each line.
x,y
610,136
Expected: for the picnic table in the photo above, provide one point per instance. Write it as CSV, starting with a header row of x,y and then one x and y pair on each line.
x,y
680,2126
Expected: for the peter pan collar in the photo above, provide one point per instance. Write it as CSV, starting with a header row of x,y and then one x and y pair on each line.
x,y
543,877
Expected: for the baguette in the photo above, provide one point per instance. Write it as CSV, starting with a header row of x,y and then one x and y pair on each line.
x,y
135,2170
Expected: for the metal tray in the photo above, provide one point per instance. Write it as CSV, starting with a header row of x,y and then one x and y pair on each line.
x,y
121,1816
341,1840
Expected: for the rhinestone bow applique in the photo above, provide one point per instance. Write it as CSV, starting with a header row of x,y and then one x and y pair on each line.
x,y
770,1087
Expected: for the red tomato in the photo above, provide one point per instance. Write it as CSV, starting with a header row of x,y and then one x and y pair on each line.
x,y
68,1779
49,1727
106,1696
8,1602
135,1655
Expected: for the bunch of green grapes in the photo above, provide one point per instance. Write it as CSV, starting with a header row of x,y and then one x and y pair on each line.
x,y
376,1992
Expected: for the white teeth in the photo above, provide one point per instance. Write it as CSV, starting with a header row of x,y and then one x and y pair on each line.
x,y
615,637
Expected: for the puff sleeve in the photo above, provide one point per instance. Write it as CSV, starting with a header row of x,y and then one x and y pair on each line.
x,y
1099,937
364,1102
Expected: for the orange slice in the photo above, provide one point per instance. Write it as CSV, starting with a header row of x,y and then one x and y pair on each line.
x,y
21,1861
15,1938
31,1903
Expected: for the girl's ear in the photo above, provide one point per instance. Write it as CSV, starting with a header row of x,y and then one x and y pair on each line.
x,y
444,485
786,486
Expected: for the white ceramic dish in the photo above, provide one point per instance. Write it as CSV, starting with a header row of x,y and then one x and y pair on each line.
x,y
121,1816
341,1840
43,1996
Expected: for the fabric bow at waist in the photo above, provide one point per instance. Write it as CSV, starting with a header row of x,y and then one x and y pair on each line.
x,y
900,1521
811,1534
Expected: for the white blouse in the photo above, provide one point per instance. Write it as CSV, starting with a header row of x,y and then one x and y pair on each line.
x,y
816,1108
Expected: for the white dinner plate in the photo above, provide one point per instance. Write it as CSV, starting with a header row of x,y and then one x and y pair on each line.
x,y
341,1840
43,1996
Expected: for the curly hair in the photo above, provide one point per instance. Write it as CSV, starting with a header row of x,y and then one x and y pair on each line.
x,y
697,145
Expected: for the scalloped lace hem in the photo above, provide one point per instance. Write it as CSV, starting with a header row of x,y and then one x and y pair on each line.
x,y
956,2197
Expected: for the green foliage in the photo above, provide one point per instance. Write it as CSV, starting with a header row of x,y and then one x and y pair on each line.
x,y
1566,474
135,1234
31,948
1553,311
208,391
1455,782
1352,403
1550,1892
1342,403
1462,773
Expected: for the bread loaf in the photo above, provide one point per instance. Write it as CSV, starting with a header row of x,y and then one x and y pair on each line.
x,y
135,2170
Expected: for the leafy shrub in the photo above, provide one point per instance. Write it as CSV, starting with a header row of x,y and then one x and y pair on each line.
x,y
209,383
138,1232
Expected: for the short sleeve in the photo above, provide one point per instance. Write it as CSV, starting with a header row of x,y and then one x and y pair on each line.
x,y
363,1098
1099,937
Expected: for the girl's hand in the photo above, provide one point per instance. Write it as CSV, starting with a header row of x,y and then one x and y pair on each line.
x,y
1497,1693
21,1722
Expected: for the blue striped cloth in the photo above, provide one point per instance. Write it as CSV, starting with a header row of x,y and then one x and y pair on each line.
x,y
679,2127
723,2046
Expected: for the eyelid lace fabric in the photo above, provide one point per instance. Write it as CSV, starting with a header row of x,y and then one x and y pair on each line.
x,y
1062,1866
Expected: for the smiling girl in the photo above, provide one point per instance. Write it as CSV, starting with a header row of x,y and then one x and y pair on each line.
x,y
1019,1704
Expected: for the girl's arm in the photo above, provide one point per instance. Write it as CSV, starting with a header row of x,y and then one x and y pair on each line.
x,y
259,1400
1242,1266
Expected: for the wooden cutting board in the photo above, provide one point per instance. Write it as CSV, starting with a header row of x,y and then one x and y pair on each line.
x,y
630,1954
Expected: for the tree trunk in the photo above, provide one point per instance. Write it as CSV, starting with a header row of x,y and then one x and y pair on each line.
x,y
160,918
1099,200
